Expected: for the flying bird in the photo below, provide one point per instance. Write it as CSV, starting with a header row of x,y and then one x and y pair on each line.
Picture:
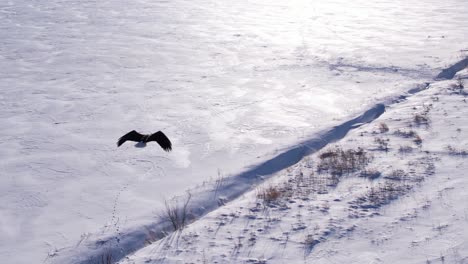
x,y
159,137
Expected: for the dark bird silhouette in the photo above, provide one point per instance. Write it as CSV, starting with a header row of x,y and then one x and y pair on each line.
x,y
159,137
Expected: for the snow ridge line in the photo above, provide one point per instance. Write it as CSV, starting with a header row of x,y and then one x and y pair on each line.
x,y
205,201
450,72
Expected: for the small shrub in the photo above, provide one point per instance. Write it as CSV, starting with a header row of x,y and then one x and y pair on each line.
x,y
382,194
460,83
409,134
338,161
382,144
397,175
333,180
458,86
405,134
421,119
418,140
427,108
405,149
219,182
269,194
177,214
371,174
456,152
383,128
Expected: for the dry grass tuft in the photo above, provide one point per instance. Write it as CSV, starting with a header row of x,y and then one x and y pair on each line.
x,y
177,214
383,128
269,194
337,161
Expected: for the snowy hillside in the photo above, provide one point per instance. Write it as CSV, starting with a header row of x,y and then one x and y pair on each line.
x,y
234,84
392,191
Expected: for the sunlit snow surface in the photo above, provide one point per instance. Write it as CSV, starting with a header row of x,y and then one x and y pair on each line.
x,y
408,205
230,82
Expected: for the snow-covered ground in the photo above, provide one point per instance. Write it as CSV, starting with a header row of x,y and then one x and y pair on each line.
x,y
233,84
402,201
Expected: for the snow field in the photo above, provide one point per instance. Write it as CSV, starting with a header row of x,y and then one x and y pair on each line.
x,y
404,205
231,84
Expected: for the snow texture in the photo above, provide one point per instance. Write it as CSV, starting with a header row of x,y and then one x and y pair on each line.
x,y
243,89
403,203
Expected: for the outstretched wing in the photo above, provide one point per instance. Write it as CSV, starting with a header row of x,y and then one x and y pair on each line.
x,y
132,136
162,140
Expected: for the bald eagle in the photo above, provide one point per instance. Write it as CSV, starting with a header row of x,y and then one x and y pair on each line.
x,y
159,137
